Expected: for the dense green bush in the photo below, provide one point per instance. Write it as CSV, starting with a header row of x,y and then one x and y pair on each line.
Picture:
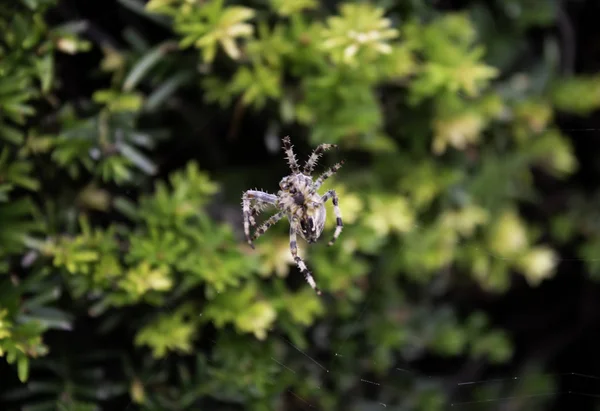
x,y
444,126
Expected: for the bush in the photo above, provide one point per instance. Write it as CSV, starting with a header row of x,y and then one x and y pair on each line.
x,y
126,277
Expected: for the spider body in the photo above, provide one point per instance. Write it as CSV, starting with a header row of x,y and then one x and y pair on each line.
x,y
298,200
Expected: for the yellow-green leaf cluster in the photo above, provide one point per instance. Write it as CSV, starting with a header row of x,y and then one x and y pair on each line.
x,y
174,331
359,33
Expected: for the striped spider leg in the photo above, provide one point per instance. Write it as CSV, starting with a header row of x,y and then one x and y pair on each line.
x,y
255,210
294,227
249,211
339,225
265,226
328,173
289,154
314,157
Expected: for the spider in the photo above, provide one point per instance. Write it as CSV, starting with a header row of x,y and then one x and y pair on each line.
x,y
297,200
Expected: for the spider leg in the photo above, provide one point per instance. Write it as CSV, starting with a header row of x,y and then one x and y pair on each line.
x,y
289,154
299,262
259,197
314,157
339,225
255,210
327,174
265,226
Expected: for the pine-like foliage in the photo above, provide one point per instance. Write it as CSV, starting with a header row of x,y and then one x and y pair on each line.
x,y
125,280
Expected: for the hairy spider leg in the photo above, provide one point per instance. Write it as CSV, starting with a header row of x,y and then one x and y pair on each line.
x,y
314,157
290,156
256,209
328,173
265,226
339,225
260,197
299,262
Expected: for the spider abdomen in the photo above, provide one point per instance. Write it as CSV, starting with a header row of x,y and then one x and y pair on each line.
x,y
313,222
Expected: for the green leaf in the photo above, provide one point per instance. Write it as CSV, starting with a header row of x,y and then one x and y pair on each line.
x,y
166,90
23,368
45,67
42,298
11,134
137,158
119,102
578,95
145,64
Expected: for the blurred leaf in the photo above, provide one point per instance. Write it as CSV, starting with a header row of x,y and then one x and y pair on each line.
x,y
145,64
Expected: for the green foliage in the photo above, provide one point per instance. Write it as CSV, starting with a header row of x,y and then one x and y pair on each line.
x,y
169,332
19,342
452,60
209,26
359,33
171,240
579,95
99,229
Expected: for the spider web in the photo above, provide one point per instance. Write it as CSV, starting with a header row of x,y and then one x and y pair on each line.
x,y
525,387
529,390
